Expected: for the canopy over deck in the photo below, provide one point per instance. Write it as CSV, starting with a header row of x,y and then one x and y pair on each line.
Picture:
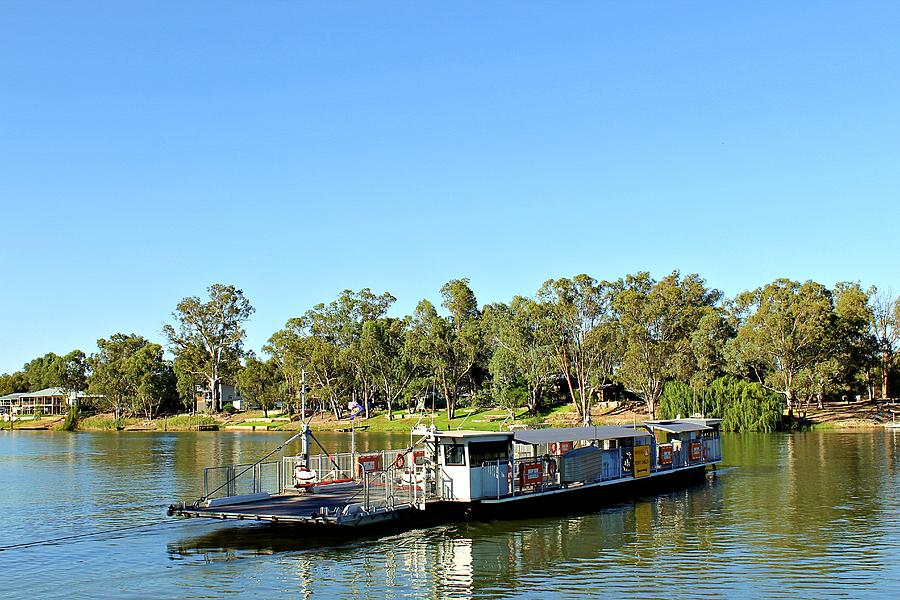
x,y
677,426
568,434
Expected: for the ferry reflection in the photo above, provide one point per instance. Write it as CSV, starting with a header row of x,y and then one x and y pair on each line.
x,y
467,560
251,539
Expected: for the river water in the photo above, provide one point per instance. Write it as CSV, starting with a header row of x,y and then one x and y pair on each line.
x,y
789,515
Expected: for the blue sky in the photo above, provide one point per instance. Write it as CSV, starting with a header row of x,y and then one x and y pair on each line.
x,y
296,149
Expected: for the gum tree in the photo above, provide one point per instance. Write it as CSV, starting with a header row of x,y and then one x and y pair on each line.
x,y
210,335
784,330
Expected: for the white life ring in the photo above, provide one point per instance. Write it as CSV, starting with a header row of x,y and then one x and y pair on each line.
x,y
303,475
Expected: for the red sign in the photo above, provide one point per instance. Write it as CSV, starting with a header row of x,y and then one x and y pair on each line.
x,y
419,457
562,447
531,473
369,463
696,450
665,455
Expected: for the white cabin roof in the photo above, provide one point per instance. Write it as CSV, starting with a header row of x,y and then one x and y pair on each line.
x,y
569,434
471,433
676,426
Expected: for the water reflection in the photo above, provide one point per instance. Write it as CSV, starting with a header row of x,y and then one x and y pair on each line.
x,y
808,514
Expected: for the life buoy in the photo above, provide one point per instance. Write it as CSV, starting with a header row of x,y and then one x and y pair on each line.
x,y
551,468
400,461
303,475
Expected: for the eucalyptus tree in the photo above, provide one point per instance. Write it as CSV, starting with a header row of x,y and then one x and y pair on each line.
x,y
325,342
658,320
68,371
382,353
152,379
784,329
885,326
13,382
260,381
854,345
282,347
209,335
72,373
708,341
448,347
130,374
520,334
580,332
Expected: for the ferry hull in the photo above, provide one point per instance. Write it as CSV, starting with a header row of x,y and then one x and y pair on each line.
x,y
585,499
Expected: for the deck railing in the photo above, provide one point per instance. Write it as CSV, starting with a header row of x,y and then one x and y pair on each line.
x,y
527,475
239,480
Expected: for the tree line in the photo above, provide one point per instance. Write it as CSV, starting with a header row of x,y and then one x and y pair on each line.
x,y
578,340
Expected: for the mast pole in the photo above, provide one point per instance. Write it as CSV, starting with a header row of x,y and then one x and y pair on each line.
x,y
304,427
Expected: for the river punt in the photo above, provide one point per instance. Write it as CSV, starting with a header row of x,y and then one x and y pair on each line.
x,y
452,475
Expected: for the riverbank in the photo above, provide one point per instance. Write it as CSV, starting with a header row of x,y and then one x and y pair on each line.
x,y
853,415
482,419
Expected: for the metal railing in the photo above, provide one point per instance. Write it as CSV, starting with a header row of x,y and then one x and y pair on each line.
x,y
528,475
238,480
341,466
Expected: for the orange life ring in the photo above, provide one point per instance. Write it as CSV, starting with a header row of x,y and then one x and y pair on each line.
x,y
400,461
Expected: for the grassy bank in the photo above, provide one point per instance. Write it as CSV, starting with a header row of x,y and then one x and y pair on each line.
x,y
855,415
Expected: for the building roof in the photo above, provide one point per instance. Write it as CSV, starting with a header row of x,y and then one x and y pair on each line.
x,y
569,434
50,391
54,392
676,426
471,433
12,396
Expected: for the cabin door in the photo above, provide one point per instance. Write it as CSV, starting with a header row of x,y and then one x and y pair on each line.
x,y
489,469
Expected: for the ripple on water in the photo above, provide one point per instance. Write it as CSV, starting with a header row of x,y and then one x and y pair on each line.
x,y
803,515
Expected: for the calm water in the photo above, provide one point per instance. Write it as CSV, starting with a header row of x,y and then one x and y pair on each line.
x,y
808,514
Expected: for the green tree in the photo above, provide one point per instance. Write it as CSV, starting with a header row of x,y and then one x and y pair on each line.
x,y
324,341
112,377
520,334
885,326
784,329
577,309
210,335
382,352
43,372
72,370
855,346
448,348
151,379
13,382
708,345
282,347
260,381
658,321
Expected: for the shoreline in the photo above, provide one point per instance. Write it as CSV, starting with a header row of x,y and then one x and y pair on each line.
x,y
861,415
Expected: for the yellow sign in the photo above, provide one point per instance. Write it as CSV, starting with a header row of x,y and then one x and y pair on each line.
x,y
641,461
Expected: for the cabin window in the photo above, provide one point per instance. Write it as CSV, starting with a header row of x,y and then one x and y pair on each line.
x,y
455,455
482,452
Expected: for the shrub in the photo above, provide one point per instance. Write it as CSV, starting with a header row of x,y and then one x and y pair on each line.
x,y
229,409
72,418
742,405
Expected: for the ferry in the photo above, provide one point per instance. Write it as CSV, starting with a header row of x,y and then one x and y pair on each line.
x,y
444,476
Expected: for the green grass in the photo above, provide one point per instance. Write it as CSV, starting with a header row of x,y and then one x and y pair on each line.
x,y
185,422
478,419
105,423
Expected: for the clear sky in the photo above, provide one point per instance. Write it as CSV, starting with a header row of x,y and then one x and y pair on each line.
x,y
295,149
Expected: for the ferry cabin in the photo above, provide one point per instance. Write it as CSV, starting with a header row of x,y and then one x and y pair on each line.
x,y
483,466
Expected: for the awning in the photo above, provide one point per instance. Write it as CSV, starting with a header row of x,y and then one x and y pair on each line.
x,y
570,434
677,426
